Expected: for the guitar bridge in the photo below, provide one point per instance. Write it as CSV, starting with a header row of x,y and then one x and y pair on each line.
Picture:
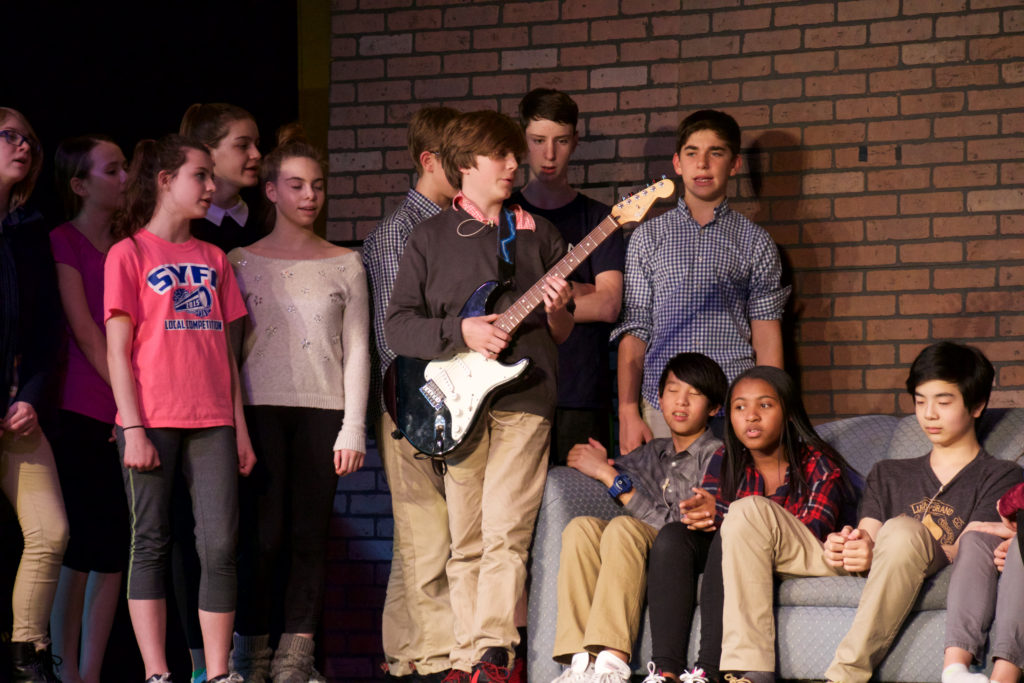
x,y
433,394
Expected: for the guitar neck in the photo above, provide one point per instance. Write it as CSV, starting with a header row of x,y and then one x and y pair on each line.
x,y
534,296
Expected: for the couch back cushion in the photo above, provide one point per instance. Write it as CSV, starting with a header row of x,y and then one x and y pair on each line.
x,y
1000,430
862,441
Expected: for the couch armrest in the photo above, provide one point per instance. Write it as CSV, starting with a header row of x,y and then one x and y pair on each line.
x,y
567,494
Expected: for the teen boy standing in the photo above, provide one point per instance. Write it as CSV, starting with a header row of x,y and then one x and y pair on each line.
x,y
417,619
700,277
913,513
549,118
495,477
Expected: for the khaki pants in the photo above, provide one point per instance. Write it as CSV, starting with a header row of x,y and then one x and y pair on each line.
x,y
417,621
655,420
602,578
760,537
28,476
494,487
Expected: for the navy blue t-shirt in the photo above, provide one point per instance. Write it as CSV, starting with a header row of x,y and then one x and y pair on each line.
x,y
584,371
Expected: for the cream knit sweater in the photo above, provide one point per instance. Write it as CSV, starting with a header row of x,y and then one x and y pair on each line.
x,y
307,336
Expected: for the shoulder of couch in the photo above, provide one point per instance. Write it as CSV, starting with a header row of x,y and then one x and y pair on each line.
x,y
1000,430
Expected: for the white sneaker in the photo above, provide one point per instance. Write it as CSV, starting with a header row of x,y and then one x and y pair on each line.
x,y
696,675
653,675
610,669
579,671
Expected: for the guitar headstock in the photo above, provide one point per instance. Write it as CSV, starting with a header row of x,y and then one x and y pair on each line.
x,y
634,208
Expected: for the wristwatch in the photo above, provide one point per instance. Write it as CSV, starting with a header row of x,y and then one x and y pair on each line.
x,y
621,484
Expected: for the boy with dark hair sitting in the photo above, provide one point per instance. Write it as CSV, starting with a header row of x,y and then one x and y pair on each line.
x,y
602,571
495,476
912,516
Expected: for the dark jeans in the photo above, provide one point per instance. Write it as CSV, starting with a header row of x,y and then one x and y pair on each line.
x,y
286,513
90,480
676,561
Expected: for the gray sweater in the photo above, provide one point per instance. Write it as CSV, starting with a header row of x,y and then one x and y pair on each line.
x,y
307,337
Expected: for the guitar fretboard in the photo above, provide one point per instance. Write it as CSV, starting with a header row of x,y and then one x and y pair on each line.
x,y
534,296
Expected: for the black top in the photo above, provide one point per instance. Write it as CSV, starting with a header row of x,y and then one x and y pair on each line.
x,y
229,234
584,370
32,330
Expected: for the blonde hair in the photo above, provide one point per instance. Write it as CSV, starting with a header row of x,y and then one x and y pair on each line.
x,y
22,189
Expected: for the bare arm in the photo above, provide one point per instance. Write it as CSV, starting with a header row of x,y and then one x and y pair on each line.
x,y
633,431
139,453
601,301
592,460
766,338
88,335
246,454
556,296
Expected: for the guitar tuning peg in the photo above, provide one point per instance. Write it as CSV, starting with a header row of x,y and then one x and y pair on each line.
x,y
663,176
623,198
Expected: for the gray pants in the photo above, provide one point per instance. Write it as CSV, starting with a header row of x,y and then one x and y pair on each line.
x,y
973,606
208,460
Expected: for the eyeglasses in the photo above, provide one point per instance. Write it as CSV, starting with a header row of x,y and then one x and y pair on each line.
x,y
16,139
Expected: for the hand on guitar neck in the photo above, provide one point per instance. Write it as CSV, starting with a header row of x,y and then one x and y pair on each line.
x,y
481,336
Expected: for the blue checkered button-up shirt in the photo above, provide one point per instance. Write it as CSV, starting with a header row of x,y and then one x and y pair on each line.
x,y
693,288
382,252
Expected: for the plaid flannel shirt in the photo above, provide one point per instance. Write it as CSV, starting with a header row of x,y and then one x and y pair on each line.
x,y
821,507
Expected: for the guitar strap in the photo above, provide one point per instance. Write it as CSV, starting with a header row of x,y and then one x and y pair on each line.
x,y
507,248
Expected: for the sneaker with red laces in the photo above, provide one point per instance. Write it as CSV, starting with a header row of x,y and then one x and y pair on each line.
x,y
518,672
485,672
456,676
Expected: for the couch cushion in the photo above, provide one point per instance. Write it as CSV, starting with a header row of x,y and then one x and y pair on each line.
x,y
1001,431
862,441
844,591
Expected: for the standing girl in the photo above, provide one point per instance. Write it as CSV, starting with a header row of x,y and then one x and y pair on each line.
x,y
772,457
90,174
305,377
168,297
231,136
29,345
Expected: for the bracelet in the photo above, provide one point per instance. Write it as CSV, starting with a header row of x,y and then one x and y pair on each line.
x,y
125,429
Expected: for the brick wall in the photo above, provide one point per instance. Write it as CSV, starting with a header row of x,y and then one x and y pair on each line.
x,y
884,146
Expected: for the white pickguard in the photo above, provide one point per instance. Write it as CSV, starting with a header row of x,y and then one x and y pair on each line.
x,y
462,383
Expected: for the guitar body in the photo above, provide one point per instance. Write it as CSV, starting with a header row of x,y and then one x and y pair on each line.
x,y
435,404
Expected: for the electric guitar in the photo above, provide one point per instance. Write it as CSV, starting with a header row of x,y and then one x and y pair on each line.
x,y
435,404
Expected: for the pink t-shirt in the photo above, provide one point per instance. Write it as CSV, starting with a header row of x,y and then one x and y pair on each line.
x,y
85,392
180,298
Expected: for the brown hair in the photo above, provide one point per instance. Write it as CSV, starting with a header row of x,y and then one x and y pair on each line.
x,y
73,159
291,143
22,189
718,122
479,133
208,123
148,160
426,131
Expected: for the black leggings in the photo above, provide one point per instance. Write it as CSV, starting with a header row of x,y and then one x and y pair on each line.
x,y
676,560
286,513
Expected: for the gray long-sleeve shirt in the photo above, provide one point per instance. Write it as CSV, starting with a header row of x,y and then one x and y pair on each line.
x,y
663,478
